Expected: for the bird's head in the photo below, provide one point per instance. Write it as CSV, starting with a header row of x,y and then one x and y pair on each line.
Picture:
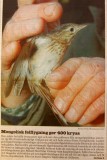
x,y
66,32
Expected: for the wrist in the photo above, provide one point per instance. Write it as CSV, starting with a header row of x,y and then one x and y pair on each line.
x,y
13,101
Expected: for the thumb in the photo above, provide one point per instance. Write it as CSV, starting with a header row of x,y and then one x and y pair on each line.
x,y
60,77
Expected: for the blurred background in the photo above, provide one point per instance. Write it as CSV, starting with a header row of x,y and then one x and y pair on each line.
x,y
76,11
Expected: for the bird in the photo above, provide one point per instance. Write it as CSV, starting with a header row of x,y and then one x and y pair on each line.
x,y
39,56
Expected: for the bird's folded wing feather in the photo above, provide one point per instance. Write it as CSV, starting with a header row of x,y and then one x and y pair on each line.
x,y
18,73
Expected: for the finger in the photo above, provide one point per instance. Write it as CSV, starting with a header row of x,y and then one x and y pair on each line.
x,y
88,95
50,12
9,54
84,74
20,30
81,77
94,110
25,2
54,92
51,25
59,78
41,1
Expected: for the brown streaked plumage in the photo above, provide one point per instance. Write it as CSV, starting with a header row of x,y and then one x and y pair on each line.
x,y
39,56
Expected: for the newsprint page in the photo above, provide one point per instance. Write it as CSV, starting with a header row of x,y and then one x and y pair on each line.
x,y
53,74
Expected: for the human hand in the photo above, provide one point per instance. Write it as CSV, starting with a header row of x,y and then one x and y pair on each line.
x,y
78,87
28,20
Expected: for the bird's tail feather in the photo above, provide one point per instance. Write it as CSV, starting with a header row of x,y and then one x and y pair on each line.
x,y
16,79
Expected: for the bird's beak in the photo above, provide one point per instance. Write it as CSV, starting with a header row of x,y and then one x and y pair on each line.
x,y
80,26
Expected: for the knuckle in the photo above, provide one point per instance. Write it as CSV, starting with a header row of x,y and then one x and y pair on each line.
x,y
99,63
66,94
72,63
72,89
74,60
79,74
92,68
98,106
25,28
81,99
97,82
32,28
84,59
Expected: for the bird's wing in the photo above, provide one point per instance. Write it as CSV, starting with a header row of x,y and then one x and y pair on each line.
x,y
18,74
42,90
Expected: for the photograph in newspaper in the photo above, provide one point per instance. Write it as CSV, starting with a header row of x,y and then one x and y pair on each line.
x,y
53,103
55,52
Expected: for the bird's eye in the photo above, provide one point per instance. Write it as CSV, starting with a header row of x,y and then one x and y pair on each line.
x,y
71,29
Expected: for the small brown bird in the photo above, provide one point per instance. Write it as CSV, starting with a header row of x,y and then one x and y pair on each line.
x,y
39,56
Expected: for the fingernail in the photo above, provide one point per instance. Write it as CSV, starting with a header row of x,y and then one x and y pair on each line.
x,y
71,115
53,76
82,121
49,10
60,104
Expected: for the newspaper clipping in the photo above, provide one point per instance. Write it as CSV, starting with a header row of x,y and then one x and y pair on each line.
x,y
53,80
